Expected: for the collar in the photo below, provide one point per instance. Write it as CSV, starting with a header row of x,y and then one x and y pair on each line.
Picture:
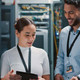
x,y
71,29
23,48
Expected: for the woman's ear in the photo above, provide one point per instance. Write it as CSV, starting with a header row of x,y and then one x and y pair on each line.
x,y
17,33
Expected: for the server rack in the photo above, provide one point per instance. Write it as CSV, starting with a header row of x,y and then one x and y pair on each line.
x,y
59,23
0,2
41,14
7,35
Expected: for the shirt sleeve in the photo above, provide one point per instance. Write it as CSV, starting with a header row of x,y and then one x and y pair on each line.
x,y
60,58
46,69
4,65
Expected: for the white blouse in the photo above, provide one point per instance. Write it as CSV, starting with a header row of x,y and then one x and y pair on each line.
x,y
11,60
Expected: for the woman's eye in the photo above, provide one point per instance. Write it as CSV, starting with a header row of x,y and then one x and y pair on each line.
x,y
27,35
33,35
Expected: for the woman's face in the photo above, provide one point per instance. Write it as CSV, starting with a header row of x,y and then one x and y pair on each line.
x,y
26,36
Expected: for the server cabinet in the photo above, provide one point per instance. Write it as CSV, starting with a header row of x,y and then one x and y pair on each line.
x,y
0,2
59,19
59,23
41,14
7,34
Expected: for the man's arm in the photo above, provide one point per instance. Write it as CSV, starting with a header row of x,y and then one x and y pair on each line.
x,y
60,59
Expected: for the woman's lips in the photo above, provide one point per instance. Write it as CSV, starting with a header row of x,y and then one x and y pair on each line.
x,y
29,42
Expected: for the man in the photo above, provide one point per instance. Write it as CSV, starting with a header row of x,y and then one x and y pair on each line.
x,y
68,59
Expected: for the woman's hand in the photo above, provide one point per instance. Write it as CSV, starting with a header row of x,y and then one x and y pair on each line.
x,y
74,78
46,77
11,76
40,78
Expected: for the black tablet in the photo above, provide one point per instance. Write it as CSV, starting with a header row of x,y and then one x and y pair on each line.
x,y
27,76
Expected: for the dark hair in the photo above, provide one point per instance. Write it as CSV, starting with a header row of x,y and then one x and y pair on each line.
x,y
22,22
76,3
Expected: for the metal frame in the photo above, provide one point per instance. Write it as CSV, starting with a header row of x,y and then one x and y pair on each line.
x,y
0,2
0,39
12,20
0,28
52,46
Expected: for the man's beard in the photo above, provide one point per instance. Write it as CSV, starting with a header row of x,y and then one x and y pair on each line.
x,y
77,21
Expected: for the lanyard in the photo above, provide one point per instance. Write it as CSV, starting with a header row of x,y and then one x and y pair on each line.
x,y
29,59
69,49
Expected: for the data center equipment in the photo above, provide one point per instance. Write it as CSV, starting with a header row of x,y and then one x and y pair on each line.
x,y
0,2
7,32
41,40
59,19
59,23
39,13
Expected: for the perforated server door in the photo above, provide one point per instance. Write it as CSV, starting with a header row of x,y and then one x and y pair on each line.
x,y
7,36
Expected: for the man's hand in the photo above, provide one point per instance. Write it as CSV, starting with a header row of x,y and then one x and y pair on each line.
x,y
74,78
59,77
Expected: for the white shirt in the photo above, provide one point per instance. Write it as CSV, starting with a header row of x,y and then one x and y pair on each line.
x,y
74,57
11,60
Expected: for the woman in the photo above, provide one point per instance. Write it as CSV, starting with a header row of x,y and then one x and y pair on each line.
x,y
11,60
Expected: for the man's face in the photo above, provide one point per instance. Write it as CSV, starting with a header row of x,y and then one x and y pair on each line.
x,y
71,14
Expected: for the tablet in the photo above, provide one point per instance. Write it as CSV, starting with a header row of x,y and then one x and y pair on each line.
x,y
27,76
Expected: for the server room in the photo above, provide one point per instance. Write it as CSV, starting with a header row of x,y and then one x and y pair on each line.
x,y
39,39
